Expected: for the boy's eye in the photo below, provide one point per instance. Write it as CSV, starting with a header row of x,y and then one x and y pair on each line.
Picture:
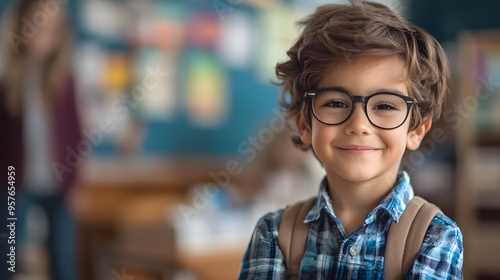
x,y
385,106
336,104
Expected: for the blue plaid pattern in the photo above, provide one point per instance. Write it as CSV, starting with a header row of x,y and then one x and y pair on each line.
x,y
331,254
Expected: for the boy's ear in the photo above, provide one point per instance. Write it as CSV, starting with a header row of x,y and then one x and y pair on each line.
x,y
416,136
304,129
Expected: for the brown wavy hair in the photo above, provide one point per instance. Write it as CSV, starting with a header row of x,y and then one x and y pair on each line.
x,y
337,34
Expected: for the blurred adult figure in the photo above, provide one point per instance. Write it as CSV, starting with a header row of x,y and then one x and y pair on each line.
x,y
39,121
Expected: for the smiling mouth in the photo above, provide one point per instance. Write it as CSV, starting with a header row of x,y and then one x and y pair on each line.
x,y
358,149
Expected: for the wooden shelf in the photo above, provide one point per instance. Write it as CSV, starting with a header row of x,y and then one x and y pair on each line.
x,y
488,141
488,199
478,156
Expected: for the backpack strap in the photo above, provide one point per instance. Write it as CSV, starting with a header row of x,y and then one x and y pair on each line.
x,y
292,234
405,238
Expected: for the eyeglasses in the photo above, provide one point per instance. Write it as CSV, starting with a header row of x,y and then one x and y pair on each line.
x,y
385,110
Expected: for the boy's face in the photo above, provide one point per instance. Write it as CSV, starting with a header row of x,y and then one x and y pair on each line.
x,y
356,150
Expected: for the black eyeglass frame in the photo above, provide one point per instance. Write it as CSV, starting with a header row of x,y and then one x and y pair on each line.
x,y
359,98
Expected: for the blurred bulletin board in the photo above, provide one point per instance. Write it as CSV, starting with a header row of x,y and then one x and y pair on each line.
x,y
217,92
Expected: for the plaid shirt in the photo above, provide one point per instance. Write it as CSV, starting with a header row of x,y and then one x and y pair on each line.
x,y
332,254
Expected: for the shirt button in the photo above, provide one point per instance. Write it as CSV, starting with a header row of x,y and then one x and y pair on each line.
x,y
353,251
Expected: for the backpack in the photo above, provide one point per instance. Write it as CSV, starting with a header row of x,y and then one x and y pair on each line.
x,y
404,239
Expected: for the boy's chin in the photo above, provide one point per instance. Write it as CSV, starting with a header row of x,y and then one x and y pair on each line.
x,y
359,176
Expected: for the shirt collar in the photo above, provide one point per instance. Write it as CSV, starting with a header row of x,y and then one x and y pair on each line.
x,y
393,204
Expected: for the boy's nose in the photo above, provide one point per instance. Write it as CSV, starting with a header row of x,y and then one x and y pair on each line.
x,y
358,123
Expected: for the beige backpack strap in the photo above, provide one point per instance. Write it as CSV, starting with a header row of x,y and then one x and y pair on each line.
x,y
404,239
292,235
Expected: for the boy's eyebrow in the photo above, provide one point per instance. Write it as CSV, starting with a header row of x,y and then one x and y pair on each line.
x,y
378,90
340,89
389,90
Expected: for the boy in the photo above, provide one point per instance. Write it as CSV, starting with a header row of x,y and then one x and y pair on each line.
x,y
362,84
